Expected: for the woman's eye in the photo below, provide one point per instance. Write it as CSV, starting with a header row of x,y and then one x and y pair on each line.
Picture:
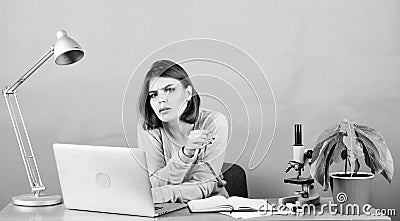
x,y
153,95
169,89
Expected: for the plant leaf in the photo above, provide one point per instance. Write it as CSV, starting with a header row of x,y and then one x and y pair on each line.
x,y
327,165
320,168
380,158
337,154
356,166
371,132
370,154
317,169
387,177
354,149
324,137
367,158
343,154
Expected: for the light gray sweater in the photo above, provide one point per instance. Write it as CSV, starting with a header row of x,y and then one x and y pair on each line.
x,y
175,177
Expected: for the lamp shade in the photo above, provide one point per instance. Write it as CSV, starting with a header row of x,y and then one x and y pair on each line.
x,y
66,49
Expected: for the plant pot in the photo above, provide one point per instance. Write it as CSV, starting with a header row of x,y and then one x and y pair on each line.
x,y
349,190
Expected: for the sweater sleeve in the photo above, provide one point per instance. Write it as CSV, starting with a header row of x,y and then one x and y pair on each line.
x,y
161,171
183,192
201,181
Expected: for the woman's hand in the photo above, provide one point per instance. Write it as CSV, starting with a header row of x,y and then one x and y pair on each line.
x,y
198,139
219,185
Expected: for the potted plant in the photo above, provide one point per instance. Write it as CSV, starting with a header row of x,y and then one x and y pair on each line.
x,y
348,142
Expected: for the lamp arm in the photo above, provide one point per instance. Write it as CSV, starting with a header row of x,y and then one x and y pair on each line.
x,y
27,154
13,88
17,120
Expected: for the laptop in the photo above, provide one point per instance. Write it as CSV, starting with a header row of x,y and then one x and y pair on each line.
x,y
107,179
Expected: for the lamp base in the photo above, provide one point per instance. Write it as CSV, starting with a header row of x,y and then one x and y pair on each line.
x,y
31,200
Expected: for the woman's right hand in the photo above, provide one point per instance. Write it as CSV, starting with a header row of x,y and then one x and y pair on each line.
x,y
219,185
197,140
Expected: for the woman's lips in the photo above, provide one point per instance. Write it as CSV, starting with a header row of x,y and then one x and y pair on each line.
x,y
164,110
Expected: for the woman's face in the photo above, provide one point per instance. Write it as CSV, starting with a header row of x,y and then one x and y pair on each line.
x,y
168,98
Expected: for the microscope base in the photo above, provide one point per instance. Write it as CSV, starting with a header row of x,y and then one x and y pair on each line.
x,y
313,199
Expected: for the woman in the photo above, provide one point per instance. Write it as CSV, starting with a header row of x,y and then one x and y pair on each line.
x,y
185,145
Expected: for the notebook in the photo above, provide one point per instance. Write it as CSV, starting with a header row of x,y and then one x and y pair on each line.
x,y
234,203
107,179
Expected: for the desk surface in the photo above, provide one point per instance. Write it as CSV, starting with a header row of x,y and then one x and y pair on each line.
x,y
59,212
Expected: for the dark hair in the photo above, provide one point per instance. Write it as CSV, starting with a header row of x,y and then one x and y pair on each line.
x,y
168,69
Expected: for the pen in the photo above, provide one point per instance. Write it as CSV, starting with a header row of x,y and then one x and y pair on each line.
x,y
218,178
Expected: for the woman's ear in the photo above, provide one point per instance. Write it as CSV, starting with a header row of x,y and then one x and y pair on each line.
x,y
189,91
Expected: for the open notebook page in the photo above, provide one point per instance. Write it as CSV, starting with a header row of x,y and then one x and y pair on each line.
x,y
214,203
240,203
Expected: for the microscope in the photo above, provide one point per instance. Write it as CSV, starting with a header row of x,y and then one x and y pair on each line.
x,y
307,194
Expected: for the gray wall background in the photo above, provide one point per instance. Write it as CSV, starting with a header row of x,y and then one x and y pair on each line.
x,y
326,61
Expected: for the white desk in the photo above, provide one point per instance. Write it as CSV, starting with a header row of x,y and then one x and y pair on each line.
x,y
59,212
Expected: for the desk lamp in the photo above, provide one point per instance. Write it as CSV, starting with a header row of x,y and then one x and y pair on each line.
x,y
66,51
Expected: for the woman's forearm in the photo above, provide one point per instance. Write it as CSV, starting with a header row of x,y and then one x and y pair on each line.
x,y
174,171
182,192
